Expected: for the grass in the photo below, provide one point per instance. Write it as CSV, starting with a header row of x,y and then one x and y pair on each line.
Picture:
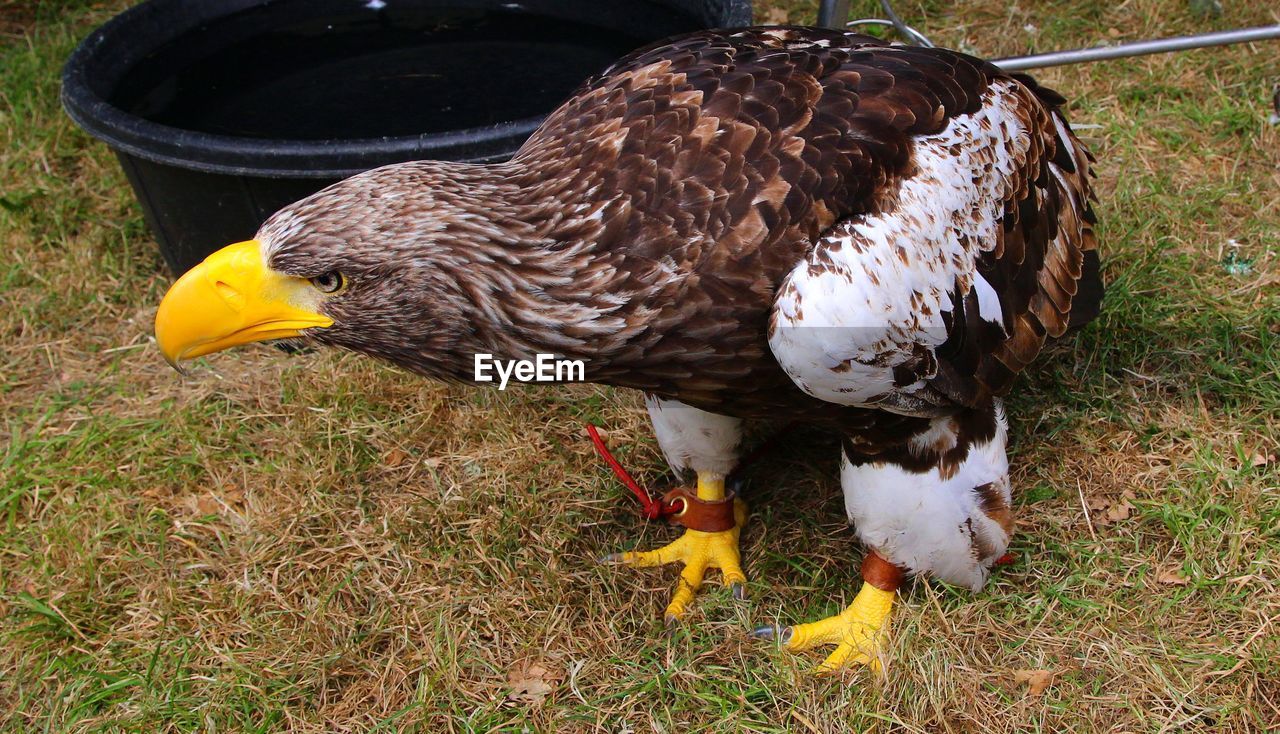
x,y
319,543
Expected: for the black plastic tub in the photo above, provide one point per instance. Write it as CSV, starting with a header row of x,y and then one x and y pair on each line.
x,y
223,111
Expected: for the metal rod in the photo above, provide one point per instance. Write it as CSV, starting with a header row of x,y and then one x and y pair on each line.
x,y
1138,48
833,13
912,35
905,30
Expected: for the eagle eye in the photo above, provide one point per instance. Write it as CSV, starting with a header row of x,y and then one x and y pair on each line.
x,y
330,282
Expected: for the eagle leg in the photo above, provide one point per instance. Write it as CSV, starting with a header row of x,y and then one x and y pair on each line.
x,y
698,550
859,631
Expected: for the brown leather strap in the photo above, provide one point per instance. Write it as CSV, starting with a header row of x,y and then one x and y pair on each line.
x,y
880,573
708,516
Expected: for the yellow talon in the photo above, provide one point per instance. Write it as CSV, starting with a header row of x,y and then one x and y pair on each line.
x,y
698,550
857,632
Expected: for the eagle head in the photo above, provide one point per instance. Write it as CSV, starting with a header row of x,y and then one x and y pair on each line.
x,y
376,263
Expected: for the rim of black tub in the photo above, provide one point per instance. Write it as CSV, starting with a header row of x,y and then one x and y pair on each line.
x,y
102,60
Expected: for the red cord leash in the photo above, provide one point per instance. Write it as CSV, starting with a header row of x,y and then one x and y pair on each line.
x,y
651,507
655,507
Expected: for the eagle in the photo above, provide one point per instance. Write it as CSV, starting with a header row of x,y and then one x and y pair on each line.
x,y
763,224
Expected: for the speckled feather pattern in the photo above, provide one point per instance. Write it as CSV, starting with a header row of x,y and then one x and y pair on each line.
x,y
863,319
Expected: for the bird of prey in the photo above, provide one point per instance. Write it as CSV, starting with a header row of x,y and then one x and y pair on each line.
x,y
777,223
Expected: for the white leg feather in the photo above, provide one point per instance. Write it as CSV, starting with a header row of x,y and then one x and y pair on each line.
x,y
693,439
953,527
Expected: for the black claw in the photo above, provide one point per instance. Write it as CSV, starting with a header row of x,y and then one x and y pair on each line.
x,y
772,632
671,624
739,592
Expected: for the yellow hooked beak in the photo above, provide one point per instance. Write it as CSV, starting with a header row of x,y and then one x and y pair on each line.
x,y
234,298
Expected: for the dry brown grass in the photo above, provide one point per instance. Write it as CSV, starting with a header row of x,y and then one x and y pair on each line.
x,y
320,544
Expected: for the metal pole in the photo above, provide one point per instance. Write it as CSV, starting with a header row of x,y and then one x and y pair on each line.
x,y
833,13
1138,48
904,29
912,35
